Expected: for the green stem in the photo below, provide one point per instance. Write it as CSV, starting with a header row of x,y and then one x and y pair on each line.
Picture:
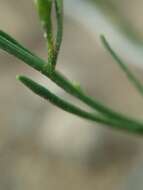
x,y
60,80
98,106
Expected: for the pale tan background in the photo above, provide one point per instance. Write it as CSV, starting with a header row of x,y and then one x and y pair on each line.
x,y
44,148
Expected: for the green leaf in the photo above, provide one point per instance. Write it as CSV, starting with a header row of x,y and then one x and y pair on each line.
x,y
64,83
137,84
21,53
68,107
59,102
45,13
59,15
12,40
104,114
44,8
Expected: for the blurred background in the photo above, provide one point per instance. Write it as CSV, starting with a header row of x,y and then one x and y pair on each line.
x,y
42,147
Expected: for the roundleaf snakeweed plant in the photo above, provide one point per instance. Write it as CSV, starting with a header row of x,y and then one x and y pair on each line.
x,y
103,114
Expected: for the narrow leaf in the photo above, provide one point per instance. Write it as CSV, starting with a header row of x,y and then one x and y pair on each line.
x,y
12,40
21,53
59,15
64,83
123,66
44,8
68,107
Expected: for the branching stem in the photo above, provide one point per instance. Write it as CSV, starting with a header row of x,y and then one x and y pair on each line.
x,y
103,114
39,64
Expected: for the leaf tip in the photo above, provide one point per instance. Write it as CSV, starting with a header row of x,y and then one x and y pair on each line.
x,y
103,39
20,78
